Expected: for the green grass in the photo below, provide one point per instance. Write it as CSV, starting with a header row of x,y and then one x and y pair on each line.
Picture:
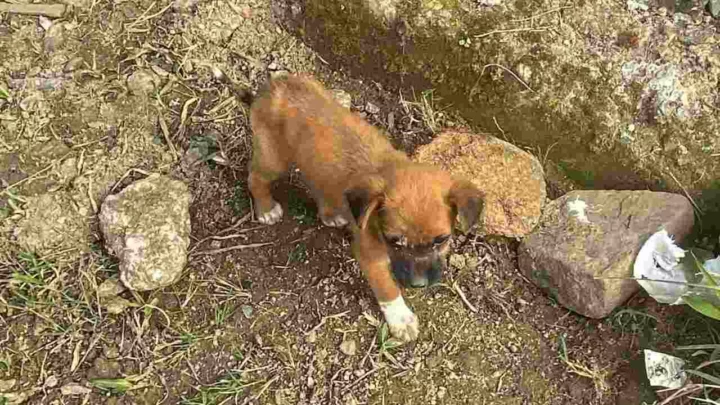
x,y
227,388
239,202
584,178
299,254
300,209
222,313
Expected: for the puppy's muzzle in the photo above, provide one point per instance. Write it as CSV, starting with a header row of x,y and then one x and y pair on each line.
x,y
418,272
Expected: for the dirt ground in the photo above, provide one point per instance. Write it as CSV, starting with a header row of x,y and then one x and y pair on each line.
x,y
117,89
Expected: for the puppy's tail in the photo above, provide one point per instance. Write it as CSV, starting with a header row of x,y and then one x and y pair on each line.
x,y
242,91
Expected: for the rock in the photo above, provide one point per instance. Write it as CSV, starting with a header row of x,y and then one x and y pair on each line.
x,y
54,38
588,239
110,288
147,226
116,305
512,179
142,82
7,385
371,108
184,6
348,347
386,10
74,389
51,382
105,368
343,97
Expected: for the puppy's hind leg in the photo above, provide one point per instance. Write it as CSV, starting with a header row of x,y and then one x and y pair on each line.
x,y
266,166
334,210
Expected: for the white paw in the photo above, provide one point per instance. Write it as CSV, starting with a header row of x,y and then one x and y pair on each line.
x,y
403,324
271,217
338,221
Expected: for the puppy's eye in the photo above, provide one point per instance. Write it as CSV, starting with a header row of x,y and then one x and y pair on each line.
x,y
439,240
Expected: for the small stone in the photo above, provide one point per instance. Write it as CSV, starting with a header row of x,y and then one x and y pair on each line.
x,y
142,82
159,71
54,38
310,382
188,66
147,227
387,10
73,64
273,66
184,6
457,261
51,381
247,310
44,22
74,389
511,179
105,368
110,288
116,305
524,71
371,108
348,347
7,385
343,97
585,246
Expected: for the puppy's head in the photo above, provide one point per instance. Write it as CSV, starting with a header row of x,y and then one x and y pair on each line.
x,y
413,209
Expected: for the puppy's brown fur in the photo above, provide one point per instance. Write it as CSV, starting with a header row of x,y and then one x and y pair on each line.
x,y
402,212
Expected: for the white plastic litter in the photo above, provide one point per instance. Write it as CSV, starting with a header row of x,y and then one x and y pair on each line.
x,y
658,260
664,370
713,266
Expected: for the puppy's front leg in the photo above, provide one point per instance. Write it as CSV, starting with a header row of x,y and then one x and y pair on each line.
x,y
375,265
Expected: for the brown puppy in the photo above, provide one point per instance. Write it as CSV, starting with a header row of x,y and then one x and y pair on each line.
x,y
402,213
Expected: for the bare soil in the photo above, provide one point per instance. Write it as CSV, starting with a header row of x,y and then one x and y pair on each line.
x,y
292,322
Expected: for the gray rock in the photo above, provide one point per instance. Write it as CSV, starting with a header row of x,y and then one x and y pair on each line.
x,y
142,82
386,10
587,240
342,97
147,226
371,108
54,38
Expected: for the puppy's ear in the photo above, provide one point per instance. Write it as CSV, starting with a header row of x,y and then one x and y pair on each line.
x,y
365,196
467,202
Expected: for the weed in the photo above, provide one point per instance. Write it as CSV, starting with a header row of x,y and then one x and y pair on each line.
x,y
584,178
597,376
28,280
187,340
633,321
302,211
113,386
239,202
228,388
206,147
222,313
299,254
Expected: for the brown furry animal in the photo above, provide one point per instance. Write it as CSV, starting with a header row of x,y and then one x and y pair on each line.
x,y
402,213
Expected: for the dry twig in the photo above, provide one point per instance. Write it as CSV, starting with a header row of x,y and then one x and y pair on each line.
x,y
49,10
464,299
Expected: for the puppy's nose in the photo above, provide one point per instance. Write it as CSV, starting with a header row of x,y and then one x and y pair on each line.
x,y
419,282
